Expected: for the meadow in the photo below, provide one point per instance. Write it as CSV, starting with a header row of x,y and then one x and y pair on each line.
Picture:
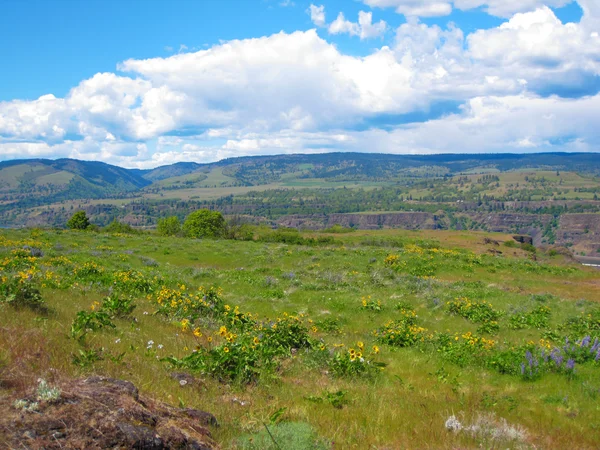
x,y
367,339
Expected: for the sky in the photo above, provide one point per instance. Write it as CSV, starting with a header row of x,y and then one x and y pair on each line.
x,y
144,83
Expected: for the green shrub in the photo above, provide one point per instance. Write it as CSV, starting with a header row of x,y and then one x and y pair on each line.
x,y
169,226
284,435
204,223
79,221
85,322
119,227
536,318
117,306
21,291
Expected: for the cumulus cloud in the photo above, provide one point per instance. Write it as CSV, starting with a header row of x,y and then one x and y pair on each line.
x,y
529,84
365,28
419,8
431,8
317,15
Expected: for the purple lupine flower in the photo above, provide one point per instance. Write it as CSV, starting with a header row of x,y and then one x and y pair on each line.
x,y
522,368
597,358
585,341
556,356
570,364
529,357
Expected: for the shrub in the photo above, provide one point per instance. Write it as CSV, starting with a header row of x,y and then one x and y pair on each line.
x,y
354,362
119,227
21,291
288,435
536,318
117,306
474,311
169,226
85,322
402,333
204,223
79,221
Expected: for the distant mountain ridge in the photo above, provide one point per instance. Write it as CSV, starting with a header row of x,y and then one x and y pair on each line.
x,y
32,182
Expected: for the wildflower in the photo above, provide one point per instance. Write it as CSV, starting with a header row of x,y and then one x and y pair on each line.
x,y
209,339
256,340
182,382
452,424
185,324
375,349
360,345
118,341
197,333
570,364
225,349
160,346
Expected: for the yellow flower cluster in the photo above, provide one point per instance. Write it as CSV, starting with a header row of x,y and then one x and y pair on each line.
x,y
476,341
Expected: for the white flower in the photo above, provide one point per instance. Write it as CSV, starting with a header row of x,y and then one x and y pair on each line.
x,y
452,424
118,341
182,382
160,346
145,313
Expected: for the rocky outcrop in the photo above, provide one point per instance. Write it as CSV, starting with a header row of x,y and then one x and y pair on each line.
x,y
99,413
580,230
406,220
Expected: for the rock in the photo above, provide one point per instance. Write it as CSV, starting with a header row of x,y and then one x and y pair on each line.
x,y
488,241
141,437
98,413
523,239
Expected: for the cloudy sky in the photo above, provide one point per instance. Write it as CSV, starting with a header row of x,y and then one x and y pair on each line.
x,y
147,83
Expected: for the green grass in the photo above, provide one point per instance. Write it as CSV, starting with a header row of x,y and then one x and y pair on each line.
x,y
404,406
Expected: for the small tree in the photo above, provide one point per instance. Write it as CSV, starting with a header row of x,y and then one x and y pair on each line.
x,y
79,221
169,226
204,223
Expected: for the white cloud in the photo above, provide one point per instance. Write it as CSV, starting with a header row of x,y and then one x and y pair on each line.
x,y
419,8
506,8
299,93
365,28
368,29
342,26
431,8
317,15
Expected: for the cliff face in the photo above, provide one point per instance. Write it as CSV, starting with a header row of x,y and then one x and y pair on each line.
x,y
582,231
409,220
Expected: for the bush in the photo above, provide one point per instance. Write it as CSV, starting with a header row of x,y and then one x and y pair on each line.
x,y
204,223
85,322
21,291
169,226
288,435
119,227
79,221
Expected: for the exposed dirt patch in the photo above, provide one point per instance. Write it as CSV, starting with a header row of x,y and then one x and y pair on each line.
x,y
99,413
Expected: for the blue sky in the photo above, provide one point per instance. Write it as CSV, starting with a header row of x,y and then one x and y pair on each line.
x,y
144,83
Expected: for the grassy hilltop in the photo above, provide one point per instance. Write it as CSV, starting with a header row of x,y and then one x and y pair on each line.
x,y
366,339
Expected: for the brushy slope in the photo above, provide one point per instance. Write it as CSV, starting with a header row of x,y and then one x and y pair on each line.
x,y
374,339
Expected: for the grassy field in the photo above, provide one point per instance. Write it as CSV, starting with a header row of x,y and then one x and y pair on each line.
x,y
375,339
